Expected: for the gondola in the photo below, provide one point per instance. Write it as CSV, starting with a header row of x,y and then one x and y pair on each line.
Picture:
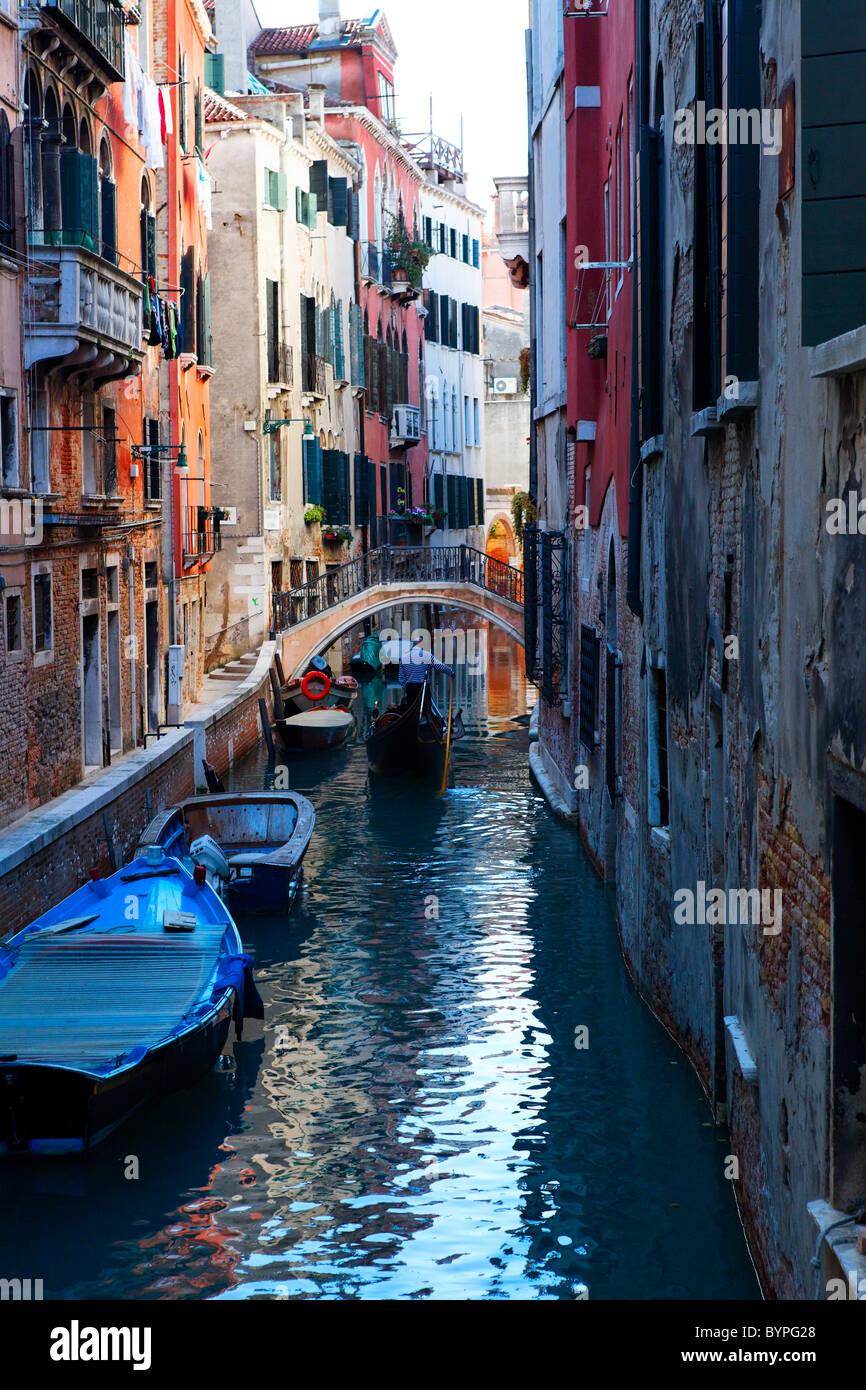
x,y
121,993
252,844
339,693
410,743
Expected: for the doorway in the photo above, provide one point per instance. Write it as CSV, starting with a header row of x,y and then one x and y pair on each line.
x,y
91,691
848,950
115,721
151,657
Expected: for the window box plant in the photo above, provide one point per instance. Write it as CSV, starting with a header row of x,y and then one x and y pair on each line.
x,y
313,515
337,535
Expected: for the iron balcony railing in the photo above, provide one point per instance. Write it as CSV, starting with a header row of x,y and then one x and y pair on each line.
x,y
201,533
314,376
100,24
376,265
398,565
280,364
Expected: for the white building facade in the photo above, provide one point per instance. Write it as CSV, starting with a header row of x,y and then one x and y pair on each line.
x,y
454,387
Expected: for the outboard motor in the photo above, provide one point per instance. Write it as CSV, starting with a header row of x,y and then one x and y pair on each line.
x,y
206,851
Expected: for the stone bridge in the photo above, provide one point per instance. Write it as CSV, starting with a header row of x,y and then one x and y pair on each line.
x,y
311,618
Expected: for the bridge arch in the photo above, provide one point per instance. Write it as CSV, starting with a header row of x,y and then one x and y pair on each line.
x,y
309,639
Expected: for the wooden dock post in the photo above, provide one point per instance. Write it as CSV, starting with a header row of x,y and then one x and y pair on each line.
x,y
266,727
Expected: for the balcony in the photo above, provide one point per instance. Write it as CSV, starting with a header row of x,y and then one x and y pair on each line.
x,y
202,537
82,312
281,370
405,426
314,375
376,266
95,28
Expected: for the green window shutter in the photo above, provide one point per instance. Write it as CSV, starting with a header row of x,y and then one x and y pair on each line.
x,y
267,188
282,192
214,72
312,211
444,336
108,194
833,105
465,249
299,205
452,510
339,349
335,487
187,299
70,195
319,184
312,462
150,242
479,500
476,253
339,202
362,496
439,492
454,243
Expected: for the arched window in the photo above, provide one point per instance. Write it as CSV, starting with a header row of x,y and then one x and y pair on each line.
x,y
7,207
33,104
107,203
85,143
69,128
148,232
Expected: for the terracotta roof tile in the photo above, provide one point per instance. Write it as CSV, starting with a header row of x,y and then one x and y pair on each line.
x,y
216,108
298,37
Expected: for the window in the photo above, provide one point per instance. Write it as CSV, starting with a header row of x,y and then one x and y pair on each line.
x,y
833,80
89,453
43,640
152,471
276,469
272,337
276,189
587,533
107,205
620,207
707,281
198,116
467,427
7,199
182,130
214,70
90,583
39,440
9,455
454,242
13,623
630,172
109,451
454,434
590,649
386,101
148,234
476,412
608,234
658,812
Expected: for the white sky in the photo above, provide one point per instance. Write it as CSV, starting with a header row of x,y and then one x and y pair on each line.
x,y
470,54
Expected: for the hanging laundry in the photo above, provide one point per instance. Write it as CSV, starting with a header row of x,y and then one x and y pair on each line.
x,y
162,127
130,94
154,337
163,326
165,108
151,130
203,193
171,351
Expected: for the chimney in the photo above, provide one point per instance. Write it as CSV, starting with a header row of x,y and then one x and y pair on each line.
x,y
316,98
329,18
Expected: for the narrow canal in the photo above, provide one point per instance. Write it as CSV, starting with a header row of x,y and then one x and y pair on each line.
x,y
414,1120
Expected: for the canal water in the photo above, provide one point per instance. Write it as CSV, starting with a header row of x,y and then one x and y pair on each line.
x,y
414,1119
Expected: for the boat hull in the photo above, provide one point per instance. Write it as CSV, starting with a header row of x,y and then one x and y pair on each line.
x,y
311,738
410,747
48,1110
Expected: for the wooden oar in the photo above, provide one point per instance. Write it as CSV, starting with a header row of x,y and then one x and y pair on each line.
x,y
447,745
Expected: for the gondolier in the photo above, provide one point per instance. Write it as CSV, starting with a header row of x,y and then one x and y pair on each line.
x,y
416,669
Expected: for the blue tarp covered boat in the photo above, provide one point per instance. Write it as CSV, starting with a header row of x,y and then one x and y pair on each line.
x,y
124,991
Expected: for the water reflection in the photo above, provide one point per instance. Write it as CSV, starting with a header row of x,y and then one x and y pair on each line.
x,y
414,1120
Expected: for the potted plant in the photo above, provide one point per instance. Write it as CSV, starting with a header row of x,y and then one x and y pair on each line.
x,y
337,535
313,515
597,345
409,255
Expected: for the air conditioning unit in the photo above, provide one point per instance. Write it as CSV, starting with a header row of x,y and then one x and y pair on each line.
x,y
406,424
505,386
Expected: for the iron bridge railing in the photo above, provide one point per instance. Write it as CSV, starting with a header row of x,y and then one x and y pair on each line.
x,y
398,565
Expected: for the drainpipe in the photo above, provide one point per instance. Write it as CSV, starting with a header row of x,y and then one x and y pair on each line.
x,y
129,567
533,292
635,491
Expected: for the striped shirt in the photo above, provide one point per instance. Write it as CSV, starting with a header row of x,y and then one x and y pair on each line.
x,y
418,666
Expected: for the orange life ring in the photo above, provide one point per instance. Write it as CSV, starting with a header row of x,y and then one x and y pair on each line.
x,y
317,676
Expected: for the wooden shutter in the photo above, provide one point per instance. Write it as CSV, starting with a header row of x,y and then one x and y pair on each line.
x,y
590,646
650,287
282,191
214,72
207,344
476,253
444,333
362,493
108,210
479,500
339,202
743,165
834,169
428,231
272,327
187,284
465,249
319,184
431,324
312,460
439,492
299,205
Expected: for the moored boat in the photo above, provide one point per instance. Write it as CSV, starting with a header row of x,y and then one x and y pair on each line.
x,y
121,993
315,731
337,692
252,844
